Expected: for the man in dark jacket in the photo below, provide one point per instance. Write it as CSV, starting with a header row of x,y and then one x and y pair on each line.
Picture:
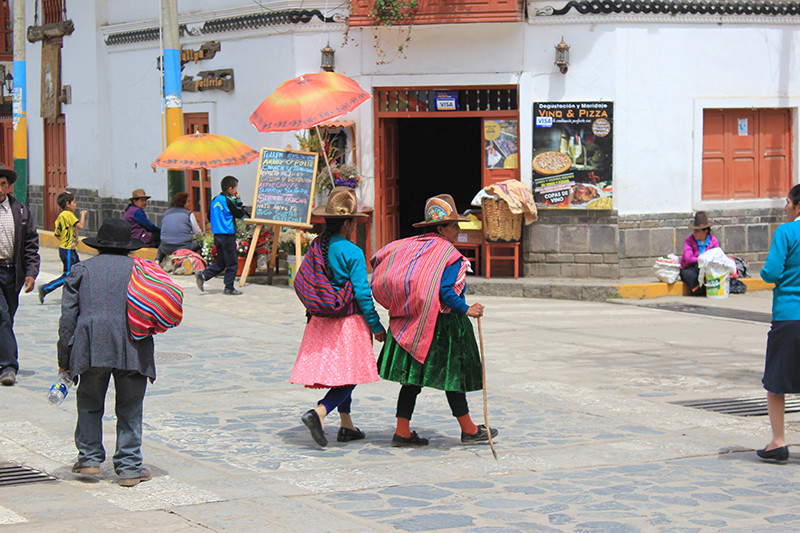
x,y
94,342
19,265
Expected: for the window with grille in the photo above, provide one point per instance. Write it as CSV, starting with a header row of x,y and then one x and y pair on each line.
x,y
53,11
407,100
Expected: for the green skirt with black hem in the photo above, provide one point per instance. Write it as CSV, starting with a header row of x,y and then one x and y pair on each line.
x,y
453,362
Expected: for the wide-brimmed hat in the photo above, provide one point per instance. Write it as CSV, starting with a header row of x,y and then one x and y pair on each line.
x,y
8,173
700,221
440,210
341,203
139,193
114,234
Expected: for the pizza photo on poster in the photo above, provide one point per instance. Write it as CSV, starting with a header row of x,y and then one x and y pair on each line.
x,y
572,155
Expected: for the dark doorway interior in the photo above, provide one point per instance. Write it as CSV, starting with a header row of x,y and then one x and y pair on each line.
x,y
437,155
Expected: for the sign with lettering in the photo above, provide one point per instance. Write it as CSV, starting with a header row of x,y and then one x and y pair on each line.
x,y
206,51
573,155
285,188
210,80
446,101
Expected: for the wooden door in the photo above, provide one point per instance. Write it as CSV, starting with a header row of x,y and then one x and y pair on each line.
x,y
7,142
501,141
389,215
55,165
197,180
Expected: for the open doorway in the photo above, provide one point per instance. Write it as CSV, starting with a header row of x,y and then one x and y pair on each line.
x,y
436,156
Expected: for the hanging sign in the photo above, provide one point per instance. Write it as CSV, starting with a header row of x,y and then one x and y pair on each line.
x,y
446,101
572,155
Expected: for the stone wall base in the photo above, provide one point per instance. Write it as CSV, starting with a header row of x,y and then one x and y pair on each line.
x,y
602,244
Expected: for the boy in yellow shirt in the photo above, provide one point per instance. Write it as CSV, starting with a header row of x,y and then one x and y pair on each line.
x,y
66,225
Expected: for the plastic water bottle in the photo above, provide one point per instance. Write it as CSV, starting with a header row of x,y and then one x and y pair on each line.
x,y
59,389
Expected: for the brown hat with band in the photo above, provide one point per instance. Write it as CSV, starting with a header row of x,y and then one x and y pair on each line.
x,y
700,221
139,194
440,210
341,203
9,174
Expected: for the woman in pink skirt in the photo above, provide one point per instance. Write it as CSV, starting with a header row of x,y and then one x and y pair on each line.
x,y
336,351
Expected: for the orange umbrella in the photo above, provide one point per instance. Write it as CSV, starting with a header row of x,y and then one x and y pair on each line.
x,y
308,100
205,150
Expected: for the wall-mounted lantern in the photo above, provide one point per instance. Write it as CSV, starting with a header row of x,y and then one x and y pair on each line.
x,y
327,58
562,56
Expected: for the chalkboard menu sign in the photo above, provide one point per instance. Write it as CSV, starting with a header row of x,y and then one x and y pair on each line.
x,y
285,187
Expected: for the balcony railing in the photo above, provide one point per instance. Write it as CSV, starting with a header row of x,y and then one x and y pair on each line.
x,y
448,11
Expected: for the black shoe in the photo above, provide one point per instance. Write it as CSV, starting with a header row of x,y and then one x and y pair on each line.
x,y
481,435
42,294
8,376
778,454
198,277
313,423
413,440
231,292
347,434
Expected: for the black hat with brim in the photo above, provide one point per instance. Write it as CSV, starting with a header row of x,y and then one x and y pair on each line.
x,y
114,234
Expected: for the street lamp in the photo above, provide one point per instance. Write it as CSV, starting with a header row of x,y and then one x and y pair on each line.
x,y
327,58
8,82
562,56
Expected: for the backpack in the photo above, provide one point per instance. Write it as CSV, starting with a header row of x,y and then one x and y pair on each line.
x,y
316,291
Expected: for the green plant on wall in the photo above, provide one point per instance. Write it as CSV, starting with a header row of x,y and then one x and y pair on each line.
x,y
390,13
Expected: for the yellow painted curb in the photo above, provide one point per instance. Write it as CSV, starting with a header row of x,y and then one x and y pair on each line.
x,y
646,291
48,240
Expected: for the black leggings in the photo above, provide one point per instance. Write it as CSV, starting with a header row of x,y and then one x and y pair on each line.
x,y
407,399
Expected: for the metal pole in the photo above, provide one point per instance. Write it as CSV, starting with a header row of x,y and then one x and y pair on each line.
x,y
173,104
19,105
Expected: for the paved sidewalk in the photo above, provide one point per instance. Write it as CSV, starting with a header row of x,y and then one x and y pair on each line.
x,y
581,392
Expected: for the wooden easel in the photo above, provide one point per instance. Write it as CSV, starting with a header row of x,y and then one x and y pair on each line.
x,y
276,235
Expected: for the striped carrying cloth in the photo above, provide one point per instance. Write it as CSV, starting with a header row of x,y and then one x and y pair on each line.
x,y
316,291
406,277
155,303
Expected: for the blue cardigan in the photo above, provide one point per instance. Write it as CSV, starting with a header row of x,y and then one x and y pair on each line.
x,y
783,269
347,262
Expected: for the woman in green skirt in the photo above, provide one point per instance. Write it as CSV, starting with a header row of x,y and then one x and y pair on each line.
x,y
421,281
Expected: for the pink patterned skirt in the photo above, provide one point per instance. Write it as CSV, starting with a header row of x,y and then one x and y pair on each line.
x,y
335,352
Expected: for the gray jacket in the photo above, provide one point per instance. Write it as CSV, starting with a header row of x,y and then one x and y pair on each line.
x,y
93,330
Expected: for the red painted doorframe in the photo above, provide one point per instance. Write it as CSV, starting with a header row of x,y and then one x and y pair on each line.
x,y
385,208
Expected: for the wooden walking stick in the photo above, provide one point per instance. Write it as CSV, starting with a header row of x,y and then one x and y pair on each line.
x,y
485,407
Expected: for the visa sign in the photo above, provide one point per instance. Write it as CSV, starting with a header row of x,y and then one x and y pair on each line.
x,y
544,122
446,101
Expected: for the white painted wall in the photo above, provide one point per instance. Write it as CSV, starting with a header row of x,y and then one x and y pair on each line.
x,y
659,75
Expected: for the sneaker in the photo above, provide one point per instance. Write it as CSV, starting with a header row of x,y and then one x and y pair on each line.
x,y
413,440
144,475
198,277
481,435
231,292
85,470
8,376
42,294
187,267
347,434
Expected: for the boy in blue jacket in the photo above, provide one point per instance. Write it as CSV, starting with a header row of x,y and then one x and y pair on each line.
x,y
226,207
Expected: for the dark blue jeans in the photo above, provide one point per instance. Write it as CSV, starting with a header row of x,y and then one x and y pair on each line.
x,y
91,398
227,260
9,300
68,258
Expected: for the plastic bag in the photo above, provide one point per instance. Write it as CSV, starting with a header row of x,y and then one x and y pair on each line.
x,y
667,268
714,263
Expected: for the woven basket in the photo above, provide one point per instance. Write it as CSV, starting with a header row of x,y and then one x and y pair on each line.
x,y
499,223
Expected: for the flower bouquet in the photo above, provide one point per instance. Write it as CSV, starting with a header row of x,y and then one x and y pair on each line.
x,y
286,241
343,176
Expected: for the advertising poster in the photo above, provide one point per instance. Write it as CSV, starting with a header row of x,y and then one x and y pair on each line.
x,y
501,143
572,155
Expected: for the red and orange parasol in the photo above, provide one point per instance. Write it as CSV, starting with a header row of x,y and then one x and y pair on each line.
x,y
307,101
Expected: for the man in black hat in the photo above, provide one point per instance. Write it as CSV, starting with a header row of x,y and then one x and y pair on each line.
x,y
19,265
94,342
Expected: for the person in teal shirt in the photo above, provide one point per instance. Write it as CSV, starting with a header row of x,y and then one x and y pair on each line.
x,y
782,368
336,351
